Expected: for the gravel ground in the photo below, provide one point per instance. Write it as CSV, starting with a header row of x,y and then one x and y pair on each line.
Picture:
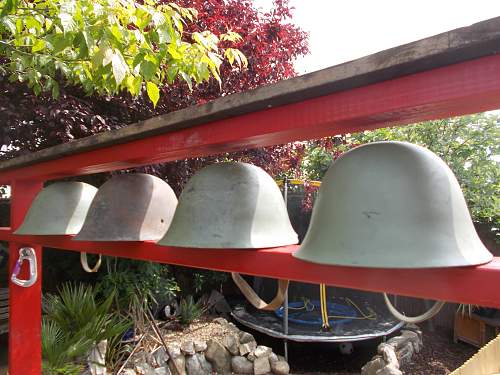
x,y
440,355
201,329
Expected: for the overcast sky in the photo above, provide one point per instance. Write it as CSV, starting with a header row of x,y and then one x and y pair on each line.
x,y
342,30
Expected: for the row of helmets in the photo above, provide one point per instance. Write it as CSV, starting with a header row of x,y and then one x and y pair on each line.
x,y
384,204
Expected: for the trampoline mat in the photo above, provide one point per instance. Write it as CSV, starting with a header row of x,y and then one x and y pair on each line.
x,y
341,330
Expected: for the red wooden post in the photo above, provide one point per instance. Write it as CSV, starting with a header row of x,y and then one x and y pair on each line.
x,y
25,354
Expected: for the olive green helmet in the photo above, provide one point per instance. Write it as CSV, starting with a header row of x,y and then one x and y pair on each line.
x,y
130,207
230,205
391,205
58,209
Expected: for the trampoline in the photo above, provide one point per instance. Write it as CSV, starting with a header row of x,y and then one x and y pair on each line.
x,y
364,317
308,312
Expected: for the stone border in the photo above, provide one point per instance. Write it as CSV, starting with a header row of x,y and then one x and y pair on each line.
x,y
237,353
395,352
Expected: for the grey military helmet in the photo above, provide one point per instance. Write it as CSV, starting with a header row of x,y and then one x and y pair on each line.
x,y
230,205
130,207
391,205
58,209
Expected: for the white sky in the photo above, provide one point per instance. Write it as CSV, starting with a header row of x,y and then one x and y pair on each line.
x,y
343,30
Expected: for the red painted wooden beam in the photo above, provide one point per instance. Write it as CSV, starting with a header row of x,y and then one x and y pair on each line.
x,y
25,304
467,87
474,285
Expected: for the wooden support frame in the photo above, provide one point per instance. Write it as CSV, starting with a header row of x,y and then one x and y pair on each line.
x,y
453,73
25,304
459,284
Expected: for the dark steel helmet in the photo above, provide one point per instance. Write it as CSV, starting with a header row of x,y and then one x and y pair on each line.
x,y
391,205
58,209
230,205
130,207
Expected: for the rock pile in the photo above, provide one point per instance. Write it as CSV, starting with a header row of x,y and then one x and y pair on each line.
x,y
394,353
236,353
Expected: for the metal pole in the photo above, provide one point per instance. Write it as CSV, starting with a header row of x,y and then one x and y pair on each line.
x,y
285,303
285,325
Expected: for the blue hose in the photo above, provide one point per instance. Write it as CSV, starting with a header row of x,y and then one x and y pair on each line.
x,y
313,316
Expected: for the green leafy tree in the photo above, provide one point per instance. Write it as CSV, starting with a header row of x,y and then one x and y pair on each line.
x,y
107,46
468,144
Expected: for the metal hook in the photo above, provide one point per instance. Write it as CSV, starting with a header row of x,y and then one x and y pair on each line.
x,y
25,253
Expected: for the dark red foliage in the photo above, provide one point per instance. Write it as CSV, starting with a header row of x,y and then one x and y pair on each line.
x,y
270,42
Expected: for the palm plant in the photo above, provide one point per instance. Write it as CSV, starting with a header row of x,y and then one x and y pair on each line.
x,y
189,310
74,322
59,350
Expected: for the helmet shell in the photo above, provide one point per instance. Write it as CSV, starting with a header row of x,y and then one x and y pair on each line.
x,y
130,207
58,209
391,205
230,205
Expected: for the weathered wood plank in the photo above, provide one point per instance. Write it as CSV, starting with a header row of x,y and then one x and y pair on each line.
x,y
459,45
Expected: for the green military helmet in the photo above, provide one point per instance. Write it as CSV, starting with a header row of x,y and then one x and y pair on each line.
x,y
58,209
230,205
391,205
130,207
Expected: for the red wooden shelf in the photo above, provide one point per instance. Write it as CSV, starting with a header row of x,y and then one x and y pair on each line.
x,y
474,285
457,89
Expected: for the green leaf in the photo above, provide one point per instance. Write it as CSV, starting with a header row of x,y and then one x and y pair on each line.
x,y
60,43
99,56
164,35
148,70
9,23
38,46
117,33
32,23
172,71
242,58
202,71
67,22
159,19
153,92
107,56
230,55
187,79
55,90
142,18
134,84
120,67
81,45
231,36
19,25
9,7
138,59
172,50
